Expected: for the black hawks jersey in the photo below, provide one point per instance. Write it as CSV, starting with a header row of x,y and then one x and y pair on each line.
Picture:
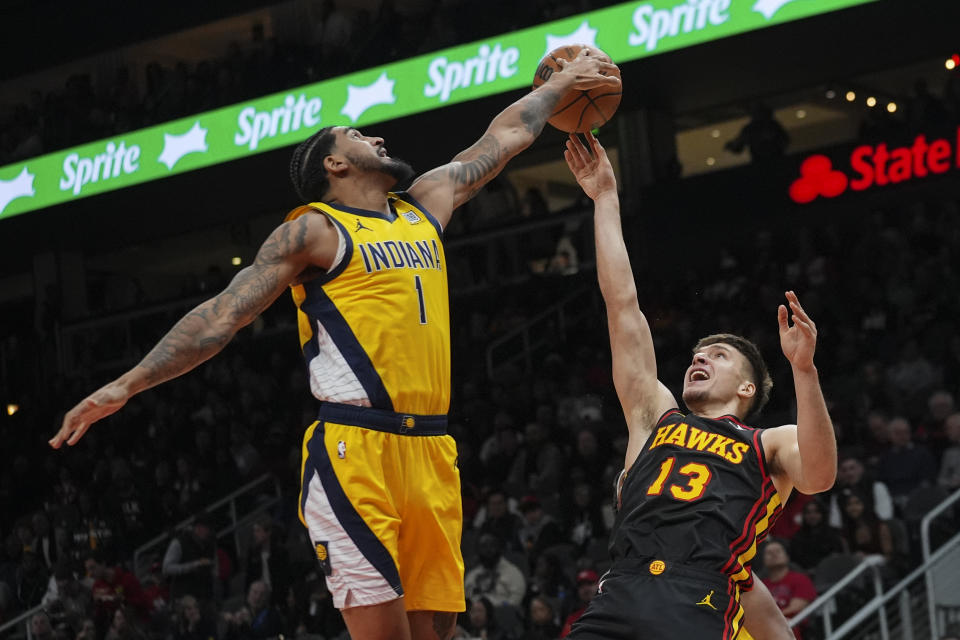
x,y
698,494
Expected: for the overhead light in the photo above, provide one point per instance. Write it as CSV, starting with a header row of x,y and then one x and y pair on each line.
x,y
871,101
236,261
831,94
952,62
851,96
801,114
715,133
12,409
711,161
892,107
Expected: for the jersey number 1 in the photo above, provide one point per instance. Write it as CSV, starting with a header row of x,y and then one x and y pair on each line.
x,y
423,308
698,478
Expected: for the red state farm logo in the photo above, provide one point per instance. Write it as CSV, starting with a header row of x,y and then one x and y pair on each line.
x,y
818,178
875,166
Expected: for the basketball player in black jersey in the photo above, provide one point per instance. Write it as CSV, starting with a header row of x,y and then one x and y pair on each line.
x,y
698,490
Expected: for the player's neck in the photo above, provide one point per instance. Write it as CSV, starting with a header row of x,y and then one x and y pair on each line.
x,y
362,192
716,409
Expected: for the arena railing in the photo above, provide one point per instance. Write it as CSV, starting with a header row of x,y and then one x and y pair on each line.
x,y
532,335
147,553
933,571
23,619
826,603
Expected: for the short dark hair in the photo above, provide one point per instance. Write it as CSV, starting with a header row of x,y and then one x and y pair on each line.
x,y
307,173
759,374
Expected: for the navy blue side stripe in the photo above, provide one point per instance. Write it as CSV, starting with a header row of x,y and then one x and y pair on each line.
x,y
370,546
318,306
403,195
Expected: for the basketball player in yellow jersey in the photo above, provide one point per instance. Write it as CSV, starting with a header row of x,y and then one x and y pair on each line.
x,y
380,492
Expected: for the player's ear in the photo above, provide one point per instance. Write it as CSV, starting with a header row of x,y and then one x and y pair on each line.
x,y
747,389
335,164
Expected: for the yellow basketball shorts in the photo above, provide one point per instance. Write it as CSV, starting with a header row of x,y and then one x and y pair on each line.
x,y
380,496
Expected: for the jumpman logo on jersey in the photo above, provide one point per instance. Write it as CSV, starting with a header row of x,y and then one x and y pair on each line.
x,y
360,225
706,601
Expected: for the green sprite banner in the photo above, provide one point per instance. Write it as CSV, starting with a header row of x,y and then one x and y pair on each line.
x,y
626,32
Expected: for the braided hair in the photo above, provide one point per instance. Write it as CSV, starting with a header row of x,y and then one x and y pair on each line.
x,y
309,178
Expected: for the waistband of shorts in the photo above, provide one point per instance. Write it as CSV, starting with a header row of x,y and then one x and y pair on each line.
x,y
405,424
648,564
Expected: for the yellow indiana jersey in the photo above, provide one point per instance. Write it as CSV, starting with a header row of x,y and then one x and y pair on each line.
x,y
375,328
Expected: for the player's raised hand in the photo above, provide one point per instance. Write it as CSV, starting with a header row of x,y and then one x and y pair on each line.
x,y
589,70
101,403
591,167
800,340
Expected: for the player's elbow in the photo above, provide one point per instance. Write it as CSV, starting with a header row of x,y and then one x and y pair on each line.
x,y
818,482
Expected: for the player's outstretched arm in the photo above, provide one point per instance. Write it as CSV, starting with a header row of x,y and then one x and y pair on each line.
x,y
805,453
445,188
761,615
643,398
204,331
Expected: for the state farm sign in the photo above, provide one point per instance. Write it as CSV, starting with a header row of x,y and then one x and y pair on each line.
x,y
875,166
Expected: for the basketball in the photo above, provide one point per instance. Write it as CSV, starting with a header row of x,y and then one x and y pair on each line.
x,y
578,111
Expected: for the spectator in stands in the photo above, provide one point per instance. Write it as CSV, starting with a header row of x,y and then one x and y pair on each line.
x,y
496,578
267,560
542,621
932,428
124,627
481,621
584,517
189,561
124,505
31,580
310,610
763,136
792,590
44,543
190,623
548,579
88,630
587,584
912,375
40,627
949,477
500,521
852,477
907,465
539,531
257,619
538,466
815,539
67,600
113,587
864,532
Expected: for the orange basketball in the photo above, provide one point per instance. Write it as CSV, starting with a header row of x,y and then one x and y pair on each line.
x,y
578,111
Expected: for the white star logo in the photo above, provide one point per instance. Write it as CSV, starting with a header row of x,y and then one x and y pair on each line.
x,y
583,35
19,187
177,146
359,99
769,8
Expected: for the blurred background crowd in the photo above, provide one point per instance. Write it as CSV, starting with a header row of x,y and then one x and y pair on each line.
x,y
128,537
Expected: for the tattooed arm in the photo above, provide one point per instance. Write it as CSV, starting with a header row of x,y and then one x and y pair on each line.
x,y
295,246
447,187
